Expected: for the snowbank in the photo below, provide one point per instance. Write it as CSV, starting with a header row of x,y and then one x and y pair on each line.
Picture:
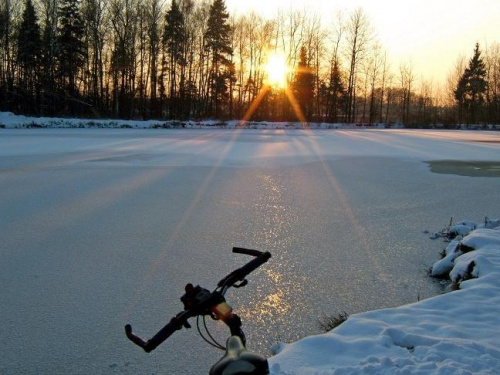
x,y
12,121
454,333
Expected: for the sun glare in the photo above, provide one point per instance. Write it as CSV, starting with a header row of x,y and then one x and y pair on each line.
x,y
276,69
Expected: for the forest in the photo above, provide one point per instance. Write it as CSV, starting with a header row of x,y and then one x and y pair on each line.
x,y
192,59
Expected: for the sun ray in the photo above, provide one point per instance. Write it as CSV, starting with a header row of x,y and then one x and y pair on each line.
x,y
296,107
254,105
160,260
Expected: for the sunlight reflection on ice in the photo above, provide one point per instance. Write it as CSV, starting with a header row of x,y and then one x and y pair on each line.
x,y
278,296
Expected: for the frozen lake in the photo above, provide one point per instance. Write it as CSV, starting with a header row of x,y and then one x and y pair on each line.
x,y
99,228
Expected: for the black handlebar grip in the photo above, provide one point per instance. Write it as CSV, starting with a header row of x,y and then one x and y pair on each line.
x,y
157,339
241,250
253,264
136,339
164,333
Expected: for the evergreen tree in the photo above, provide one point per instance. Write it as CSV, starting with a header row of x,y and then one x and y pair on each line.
x,y
71,48
335,94
154,35
174,38
471,89
218,44
6,64
50,102
2,25
304,84
29,52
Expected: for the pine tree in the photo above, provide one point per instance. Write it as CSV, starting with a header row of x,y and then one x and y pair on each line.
x,y
71,48
304,84
2,24
154,35
174,38
6,33
471,89
29,51
336,93
218,44
50,102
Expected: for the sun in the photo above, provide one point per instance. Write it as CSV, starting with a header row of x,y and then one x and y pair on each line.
x,y
276,69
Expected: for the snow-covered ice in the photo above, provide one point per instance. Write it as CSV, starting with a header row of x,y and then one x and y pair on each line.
x,y
98,227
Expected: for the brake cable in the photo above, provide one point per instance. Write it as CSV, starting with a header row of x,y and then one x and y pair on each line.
x,y
214,342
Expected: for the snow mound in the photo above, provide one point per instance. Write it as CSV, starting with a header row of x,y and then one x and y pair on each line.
x,y
10,120
454,333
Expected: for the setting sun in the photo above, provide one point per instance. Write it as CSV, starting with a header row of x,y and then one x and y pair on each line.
x,y
276,69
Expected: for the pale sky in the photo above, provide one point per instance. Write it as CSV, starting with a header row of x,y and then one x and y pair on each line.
x,y
431,34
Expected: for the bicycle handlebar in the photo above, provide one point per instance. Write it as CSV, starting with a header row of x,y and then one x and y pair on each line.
x,y
202,302
240,273
242,250
175,324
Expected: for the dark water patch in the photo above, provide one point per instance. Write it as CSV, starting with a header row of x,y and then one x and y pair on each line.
x,y
466,168
487,141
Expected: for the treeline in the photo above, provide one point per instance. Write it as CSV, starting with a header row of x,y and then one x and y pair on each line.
x,y
192,59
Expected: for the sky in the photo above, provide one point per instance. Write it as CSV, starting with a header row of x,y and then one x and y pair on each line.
x,y
429,34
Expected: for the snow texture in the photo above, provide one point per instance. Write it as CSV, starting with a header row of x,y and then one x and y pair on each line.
x,y
454,333
10,120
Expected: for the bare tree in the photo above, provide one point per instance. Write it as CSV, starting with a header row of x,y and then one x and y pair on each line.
x,y
453,79
95,12
376,64
123,18
49,99
201,62
10,11
316,37
333,89
407,79
425,102
492,60
385,71
154,12
359,34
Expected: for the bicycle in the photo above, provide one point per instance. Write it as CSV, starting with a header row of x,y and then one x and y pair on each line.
x,y
198,302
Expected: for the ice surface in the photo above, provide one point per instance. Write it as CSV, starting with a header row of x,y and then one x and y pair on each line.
x,y
102,227
455,333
